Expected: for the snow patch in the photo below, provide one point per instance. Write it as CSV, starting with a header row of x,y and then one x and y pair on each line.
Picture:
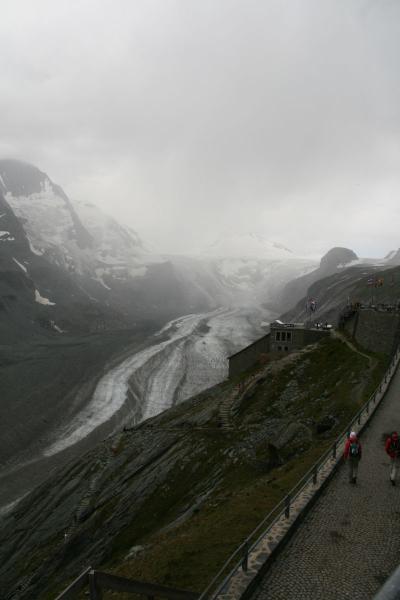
x,y
99,278
46,217
41,300
3,215
5,236
138,271
34,250
56,327
19,264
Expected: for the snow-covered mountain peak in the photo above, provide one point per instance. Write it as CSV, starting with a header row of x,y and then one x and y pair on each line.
x,y
247,245
50,222
74,235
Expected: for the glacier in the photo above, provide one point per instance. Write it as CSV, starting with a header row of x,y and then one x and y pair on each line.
x,y
192,358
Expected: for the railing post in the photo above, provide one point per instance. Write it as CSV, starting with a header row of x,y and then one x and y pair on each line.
x,y
245,560
287,506
315,475
95,591
334,449
367,408
359,418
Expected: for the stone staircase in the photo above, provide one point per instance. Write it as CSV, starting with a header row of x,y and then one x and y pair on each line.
x,y
229,404
87,501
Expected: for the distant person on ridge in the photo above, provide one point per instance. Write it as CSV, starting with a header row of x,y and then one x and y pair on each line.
x,y
352,453
392,448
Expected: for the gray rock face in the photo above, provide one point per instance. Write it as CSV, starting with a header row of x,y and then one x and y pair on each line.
x,y
293,435
21,179
335,258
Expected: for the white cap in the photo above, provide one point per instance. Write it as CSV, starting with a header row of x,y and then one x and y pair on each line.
x,y
353,435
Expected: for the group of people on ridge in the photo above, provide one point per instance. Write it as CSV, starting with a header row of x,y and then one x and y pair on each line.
x,y
353,452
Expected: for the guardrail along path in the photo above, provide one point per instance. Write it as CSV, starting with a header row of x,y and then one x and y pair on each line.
x,y
349,543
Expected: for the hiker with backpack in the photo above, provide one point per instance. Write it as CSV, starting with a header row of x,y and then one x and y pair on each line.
x,y
352,453
392,448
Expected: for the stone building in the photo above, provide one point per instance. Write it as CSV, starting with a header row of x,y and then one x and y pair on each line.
x,y
283,338
288,337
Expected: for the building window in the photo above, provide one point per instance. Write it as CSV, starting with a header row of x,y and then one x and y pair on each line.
x,y
289,336
278,336
283,337
286,349
279,348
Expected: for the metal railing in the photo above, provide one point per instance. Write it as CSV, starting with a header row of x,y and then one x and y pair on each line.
x,y
97,581
239,558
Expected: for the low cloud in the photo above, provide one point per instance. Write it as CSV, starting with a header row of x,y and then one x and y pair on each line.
x,y
186,119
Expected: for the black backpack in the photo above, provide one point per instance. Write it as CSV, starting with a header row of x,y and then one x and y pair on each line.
x,y
354,450
395,446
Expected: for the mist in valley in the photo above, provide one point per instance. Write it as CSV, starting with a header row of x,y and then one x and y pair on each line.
x,y
171,174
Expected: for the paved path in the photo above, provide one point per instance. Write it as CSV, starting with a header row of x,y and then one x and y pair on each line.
x,y
340,336
350,541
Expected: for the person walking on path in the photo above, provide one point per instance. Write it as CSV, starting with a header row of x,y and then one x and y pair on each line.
x,y
352,453
392,448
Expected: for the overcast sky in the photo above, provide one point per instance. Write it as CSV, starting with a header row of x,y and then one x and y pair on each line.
x,y
190,118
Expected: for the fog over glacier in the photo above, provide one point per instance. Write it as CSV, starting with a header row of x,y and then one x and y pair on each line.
x,y
190,121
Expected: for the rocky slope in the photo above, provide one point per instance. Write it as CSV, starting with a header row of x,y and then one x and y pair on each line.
x,y
169,499
332,262
87,259
38,297
355,284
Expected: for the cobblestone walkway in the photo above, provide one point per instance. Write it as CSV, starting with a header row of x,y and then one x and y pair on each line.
x,y
349,543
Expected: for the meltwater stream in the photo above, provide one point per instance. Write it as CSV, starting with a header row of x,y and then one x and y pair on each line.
x,y
191,356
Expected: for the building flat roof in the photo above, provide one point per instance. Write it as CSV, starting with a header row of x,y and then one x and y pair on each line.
x,y
279,325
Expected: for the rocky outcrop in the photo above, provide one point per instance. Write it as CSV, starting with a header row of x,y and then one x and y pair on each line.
x,y
347,286
333,261
336,258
